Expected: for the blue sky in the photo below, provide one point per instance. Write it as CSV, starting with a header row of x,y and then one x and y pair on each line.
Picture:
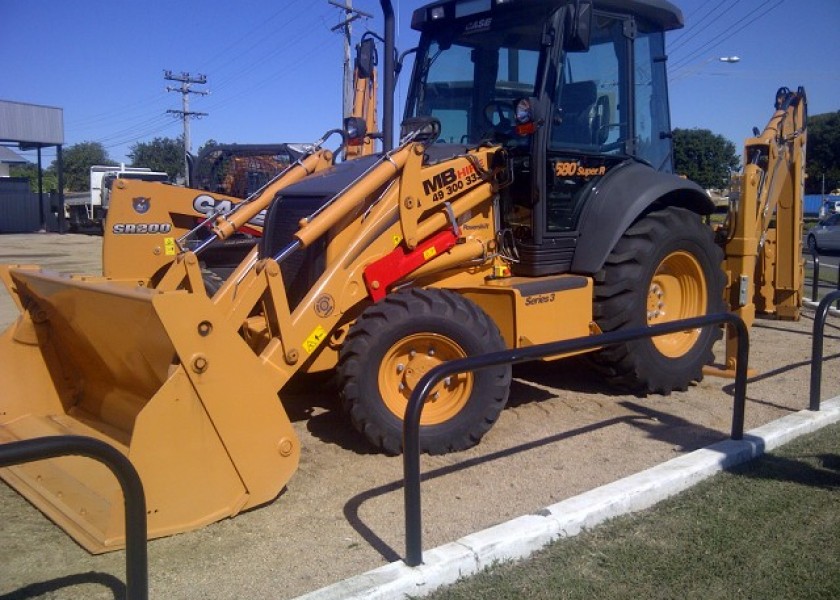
x,y
274,67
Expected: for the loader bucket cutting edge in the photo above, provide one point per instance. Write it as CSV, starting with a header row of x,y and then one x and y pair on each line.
x,y
101,359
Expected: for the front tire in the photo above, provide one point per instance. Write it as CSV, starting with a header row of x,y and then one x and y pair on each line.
x,y
665,267
399,339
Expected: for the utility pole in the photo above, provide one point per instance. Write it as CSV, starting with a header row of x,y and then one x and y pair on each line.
x,y
185,89
350,14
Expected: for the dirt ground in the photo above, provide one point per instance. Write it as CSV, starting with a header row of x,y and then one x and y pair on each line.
x,y
562,433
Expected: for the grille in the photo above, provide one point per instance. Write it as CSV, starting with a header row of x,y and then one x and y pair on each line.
x,y
303,268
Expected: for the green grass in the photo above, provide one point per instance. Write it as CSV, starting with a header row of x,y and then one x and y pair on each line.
x,y
768,529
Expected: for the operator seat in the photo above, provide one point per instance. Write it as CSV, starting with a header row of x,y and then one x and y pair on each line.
x,y
576,115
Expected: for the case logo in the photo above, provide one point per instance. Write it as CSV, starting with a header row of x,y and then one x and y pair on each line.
x,y
141,205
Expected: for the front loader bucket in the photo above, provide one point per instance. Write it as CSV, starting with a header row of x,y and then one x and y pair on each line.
x,y
162,377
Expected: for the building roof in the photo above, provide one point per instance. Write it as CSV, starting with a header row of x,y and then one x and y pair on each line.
x,y
31,124
10,157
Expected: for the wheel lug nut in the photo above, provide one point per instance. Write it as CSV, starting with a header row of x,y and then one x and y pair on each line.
x,y
431,351
400,368
412,354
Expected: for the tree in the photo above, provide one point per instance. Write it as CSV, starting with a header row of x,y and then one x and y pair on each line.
x,y
30,171
823,158
76,163
161,154
208,144
704,157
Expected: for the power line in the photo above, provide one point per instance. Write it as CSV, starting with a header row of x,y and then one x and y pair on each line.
x,y
227,55
302,58
287,44
238,58
727,33
696,30
234,54
140,135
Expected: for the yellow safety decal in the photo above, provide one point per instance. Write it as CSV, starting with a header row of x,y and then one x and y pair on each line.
x,y
429,253
169,246
397,239
314,340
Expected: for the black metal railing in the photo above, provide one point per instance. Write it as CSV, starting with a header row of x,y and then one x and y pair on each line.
x,y
815,278
817,343
136,557
411,422
815,275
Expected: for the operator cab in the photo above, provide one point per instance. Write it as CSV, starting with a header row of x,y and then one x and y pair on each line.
x,y
592,73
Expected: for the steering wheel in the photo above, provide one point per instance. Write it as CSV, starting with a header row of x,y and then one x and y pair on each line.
x,y
500,114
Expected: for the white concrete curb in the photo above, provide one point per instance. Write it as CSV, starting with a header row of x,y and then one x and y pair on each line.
x,y
807,302
520,537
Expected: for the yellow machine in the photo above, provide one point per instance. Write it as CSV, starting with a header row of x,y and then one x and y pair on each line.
x,y
762,236
525,203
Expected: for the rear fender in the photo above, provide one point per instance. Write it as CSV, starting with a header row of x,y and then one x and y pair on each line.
x,y
626,193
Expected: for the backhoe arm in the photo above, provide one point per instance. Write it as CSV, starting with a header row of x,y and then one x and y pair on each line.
x,y
763,262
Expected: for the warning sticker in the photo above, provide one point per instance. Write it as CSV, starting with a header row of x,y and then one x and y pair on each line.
x,y
314,340
428,253
169,246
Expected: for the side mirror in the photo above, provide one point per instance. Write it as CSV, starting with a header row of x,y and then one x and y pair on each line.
x,y
366,58
578,26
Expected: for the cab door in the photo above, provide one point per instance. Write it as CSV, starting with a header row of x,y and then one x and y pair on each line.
x,y
587,132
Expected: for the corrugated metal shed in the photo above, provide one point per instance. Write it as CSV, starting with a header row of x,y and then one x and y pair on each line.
x,y
31,123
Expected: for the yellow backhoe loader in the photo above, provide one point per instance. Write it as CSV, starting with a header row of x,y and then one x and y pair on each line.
x,y
530,199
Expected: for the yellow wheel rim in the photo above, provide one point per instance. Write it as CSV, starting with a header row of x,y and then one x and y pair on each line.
x,y
678,290
411,358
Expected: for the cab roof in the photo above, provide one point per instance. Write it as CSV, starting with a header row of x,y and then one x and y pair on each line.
x,y
662,14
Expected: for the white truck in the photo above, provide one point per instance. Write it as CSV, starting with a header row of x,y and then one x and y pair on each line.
x,y
88,212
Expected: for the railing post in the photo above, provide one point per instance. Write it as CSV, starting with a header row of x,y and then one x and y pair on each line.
x,y
815,281
837,288
136,557
817,343
742,357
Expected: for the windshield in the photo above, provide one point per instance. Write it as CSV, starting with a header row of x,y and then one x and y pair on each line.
x,y
470,81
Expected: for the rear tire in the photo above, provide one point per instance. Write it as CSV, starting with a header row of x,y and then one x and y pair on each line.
x,y
665,267
396,341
